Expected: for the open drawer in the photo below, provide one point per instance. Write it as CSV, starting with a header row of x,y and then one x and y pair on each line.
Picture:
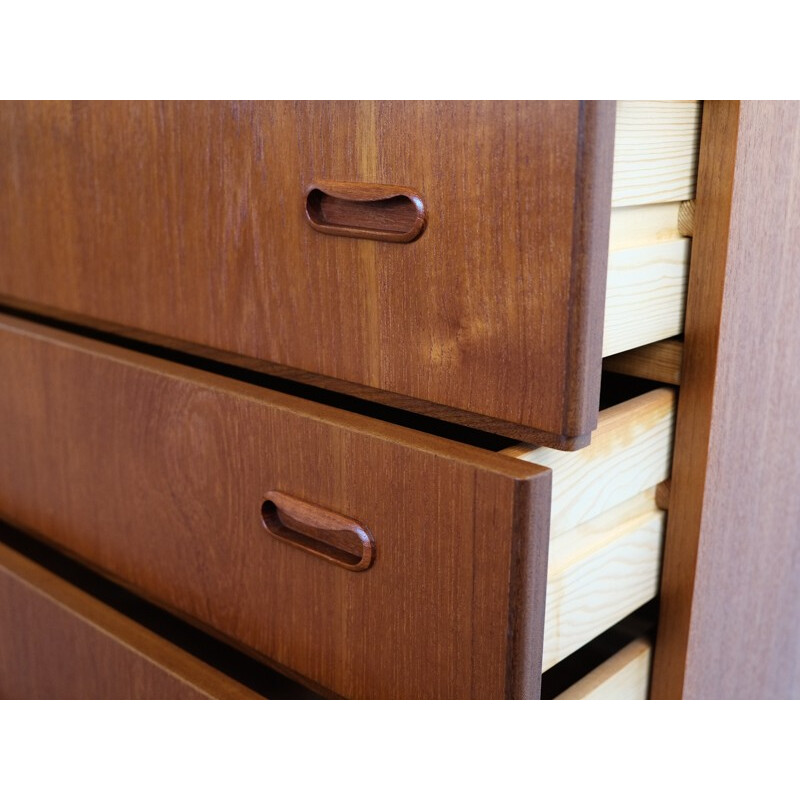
x,y
450,258
606,527
369,559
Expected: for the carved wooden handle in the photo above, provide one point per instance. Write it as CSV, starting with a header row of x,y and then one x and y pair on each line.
x,y
366,211
318,530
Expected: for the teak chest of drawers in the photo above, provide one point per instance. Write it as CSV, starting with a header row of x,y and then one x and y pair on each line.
x,y
260,359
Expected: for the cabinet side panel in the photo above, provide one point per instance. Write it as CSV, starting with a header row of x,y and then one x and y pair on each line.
x,y
696,403
731,609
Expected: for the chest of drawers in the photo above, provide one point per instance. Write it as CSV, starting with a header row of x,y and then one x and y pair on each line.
x,y
263,356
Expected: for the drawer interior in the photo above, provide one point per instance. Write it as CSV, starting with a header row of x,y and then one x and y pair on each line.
x,y
606,529
602,569
657,144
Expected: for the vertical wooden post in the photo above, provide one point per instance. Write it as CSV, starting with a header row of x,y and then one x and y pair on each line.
x,y
730,612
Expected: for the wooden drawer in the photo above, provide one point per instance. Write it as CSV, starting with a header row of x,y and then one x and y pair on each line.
x,y
606,528
188,222
156,473
159,474
57,642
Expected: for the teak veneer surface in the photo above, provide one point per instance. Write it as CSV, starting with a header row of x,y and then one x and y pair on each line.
x,y
730,605
155,473
58,643
187,220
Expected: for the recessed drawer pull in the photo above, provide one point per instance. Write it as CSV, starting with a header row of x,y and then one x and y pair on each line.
x,y
366,211
318,530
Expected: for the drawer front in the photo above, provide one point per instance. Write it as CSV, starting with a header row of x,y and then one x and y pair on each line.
x,y
189,221
57,642
156,474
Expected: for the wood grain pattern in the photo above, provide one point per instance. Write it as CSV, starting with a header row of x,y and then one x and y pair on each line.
x,y
686,218
187,220
640,226
730,610
631,451
155,473
56,642
599,573
645,294
659,361
647,274
448,414
693,425
655,152
625,676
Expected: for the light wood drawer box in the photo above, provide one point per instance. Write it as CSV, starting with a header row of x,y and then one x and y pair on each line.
x,y
57,642
157,473
188,222
606,529
624,676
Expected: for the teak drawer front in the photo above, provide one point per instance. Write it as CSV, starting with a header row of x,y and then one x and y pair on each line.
x,y
188,220
59,643
156,473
